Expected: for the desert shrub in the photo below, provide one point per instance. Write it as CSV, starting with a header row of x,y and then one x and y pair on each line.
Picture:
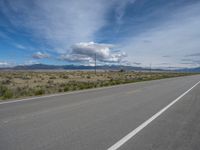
x,y
12,88
74,87
3,89
26,92
60,90
115,82
105,83
25,77
66,88
88,77
62,84
39,91
50,81
5,93
65,77
8,94
81,86
85,85
8,77
52,77
6,81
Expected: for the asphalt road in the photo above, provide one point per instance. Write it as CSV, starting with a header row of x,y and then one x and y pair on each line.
x,y
97,119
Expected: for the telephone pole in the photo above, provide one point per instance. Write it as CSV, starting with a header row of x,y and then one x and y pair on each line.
x,y
95,63
150,67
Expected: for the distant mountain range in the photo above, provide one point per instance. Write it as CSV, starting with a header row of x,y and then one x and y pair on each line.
x,y
82,67
195,70
71,67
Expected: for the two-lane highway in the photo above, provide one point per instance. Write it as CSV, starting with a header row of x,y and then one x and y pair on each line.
x,y
98,119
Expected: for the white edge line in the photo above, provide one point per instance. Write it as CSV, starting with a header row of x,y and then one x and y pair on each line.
x,y
76,92
144,124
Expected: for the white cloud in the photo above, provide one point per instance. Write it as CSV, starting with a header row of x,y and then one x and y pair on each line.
x,y
40,55
30,62
3,63
120,9
86,51
76,58
60,23
193,55
6,64
20,46
178,36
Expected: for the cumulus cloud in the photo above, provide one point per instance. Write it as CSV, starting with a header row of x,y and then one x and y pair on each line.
x,y
76,58
6,64
87,51
3,63
40,55
148,33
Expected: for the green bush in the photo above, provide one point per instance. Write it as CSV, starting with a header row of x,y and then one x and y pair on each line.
x,y
5,93
6,81
52,77
65,77
66,88
88,77
8,94
2,90
39,91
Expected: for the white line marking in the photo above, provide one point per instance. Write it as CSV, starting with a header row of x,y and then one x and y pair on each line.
x,y
144,124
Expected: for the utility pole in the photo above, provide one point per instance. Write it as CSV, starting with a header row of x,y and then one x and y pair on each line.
x,y
150,67
169,68
95,63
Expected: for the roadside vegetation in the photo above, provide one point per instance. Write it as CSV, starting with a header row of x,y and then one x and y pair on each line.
x,y
19,84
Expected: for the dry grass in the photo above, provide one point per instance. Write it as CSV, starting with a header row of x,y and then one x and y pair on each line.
x,y
23,84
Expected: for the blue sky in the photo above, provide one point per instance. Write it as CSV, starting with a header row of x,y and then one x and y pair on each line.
x,y
164,33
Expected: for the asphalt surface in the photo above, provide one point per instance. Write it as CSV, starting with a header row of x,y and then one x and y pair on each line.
x,y
97,119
